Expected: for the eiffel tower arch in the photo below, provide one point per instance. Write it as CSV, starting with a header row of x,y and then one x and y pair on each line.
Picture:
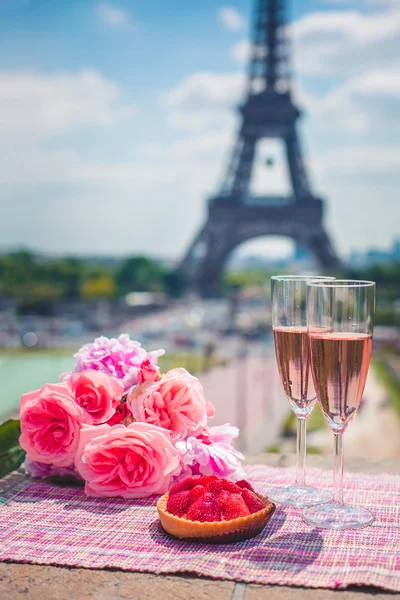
x,y
234,215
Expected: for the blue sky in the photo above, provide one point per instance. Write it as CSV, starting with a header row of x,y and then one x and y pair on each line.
x,y
116,120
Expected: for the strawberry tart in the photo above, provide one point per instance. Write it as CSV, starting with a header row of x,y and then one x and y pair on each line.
x,y
210,509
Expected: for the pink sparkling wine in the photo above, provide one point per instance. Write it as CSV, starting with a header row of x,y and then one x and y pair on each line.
x,y
294,365
340,364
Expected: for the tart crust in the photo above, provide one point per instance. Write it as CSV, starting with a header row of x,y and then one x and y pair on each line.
x,y
215,532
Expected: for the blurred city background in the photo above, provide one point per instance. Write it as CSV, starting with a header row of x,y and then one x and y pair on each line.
x,y
160,161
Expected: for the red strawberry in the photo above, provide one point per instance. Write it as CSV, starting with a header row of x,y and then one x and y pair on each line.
x,y
177,503
245,484
210,498
215,487
205,480
223,500
204,509
232,506
229,486
253,502
196,493
186,484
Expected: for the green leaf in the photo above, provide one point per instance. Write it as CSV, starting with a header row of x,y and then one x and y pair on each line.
x,y
11,453
9,435
11,460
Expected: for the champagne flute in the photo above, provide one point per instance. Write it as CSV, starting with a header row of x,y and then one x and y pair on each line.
x,y
340,316
289,324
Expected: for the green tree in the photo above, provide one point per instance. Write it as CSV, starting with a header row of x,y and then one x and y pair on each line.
x,y
140,274
68,273
175,283
98,288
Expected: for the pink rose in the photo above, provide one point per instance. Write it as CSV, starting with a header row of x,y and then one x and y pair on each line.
x,y
50,425
148,372
122,415
176,403
133,462
97,393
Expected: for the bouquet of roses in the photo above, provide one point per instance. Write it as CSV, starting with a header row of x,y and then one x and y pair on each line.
x,y
124,428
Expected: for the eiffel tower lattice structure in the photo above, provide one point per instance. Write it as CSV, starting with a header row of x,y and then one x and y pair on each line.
x,y
235,216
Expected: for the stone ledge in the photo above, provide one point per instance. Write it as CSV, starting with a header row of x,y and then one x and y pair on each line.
x,y
42,582
274,592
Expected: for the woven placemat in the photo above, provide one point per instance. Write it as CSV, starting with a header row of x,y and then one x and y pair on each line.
x,y
45,524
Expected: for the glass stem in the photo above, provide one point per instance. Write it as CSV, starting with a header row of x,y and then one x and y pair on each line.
x,y
338,469
301,452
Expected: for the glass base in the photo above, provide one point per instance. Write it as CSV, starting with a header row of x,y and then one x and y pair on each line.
x,y
298,496
338,516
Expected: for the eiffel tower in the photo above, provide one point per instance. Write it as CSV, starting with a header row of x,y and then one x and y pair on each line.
x,y
234,215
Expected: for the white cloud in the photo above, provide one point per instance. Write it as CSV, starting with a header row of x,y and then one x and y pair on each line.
x,y
241,51
112,15
29,161
34,164
205,100
358,160
43,105
370,102
193,147
205,89
166,179
231,18
360,53
36,108
345,42
384,3
199,120
352,25
339,42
